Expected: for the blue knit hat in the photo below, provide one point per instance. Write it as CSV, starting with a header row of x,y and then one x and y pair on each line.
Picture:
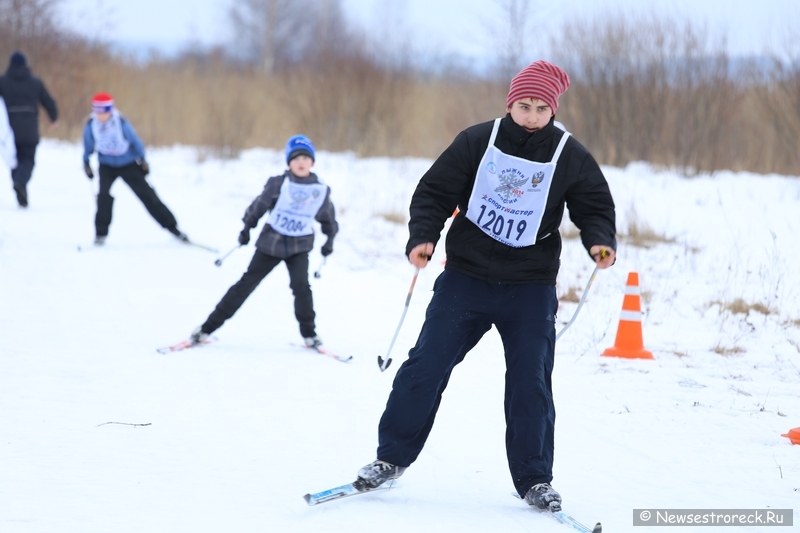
x,y
299,145
17,59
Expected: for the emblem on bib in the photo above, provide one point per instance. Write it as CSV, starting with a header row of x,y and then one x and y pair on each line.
x,y
301,196
510,182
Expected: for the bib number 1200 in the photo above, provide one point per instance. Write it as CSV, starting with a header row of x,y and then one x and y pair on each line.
x,y
290,224
501,227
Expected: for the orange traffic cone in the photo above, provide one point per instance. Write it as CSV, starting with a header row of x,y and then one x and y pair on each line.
x,y
793,435
629,342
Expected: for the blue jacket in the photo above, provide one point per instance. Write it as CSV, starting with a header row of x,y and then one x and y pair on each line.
x,y
135,151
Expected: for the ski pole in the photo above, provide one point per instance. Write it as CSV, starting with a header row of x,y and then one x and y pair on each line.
x,y
201,246
383,365
318,273
603,255
218,262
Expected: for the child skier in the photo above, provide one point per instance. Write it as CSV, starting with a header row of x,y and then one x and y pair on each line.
x,y
121,154
295,199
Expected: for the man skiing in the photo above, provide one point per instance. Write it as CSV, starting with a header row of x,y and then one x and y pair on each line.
x,y
510,179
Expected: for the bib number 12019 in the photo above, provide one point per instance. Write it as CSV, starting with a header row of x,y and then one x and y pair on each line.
x,y
501,227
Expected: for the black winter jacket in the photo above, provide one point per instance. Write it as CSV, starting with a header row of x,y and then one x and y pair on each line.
x,y
23,92
578,182
275,244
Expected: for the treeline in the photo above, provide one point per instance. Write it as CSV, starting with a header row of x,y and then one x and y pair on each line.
x,y
642,90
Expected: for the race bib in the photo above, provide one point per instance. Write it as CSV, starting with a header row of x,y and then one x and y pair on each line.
x,y
108,137
510,193
297,207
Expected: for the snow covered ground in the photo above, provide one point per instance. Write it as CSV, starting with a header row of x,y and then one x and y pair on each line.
x,y
230,436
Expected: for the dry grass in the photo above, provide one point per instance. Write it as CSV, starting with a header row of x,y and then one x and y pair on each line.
x,y
646,296
395,217
631,102
739,306
572,295
727,350
640,234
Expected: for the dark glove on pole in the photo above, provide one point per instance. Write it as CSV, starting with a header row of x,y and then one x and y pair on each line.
x,y
327,248
143,166
244,236
88,169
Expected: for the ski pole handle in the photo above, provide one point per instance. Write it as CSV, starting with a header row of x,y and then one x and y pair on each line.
x,y
602,254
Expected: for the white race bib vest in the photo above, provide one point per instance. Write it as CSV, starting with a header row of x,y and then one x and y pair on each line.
x,y
108,137
297,205
510,194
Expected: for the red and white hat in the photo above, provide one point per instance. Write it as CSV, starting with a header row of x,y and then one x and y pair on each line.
x,y
540,80
102,103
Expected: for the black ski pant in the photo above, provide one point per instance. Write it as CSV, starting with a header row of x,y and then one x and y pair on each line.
x,y
261,265
135,178
26,156
461,311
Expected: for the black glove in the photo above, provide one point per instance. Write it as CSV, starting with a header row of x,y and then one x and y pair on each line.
x,y
327,248
244,236
88,169
143,166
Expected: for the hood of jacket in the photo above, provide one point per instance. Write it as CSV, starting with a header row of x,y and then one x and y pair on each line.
x,y
18,72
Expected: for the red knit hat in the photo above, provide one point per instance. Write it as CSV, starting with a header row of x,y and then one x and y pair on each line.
x,y
102,103
540,80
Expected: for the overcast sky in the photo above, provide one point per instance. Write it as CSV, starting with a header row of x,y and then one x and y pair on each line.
x,y
456,26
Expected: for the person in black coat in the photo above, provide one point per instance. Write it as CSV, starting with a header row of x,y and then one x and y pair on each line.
x,y
23,92
510,179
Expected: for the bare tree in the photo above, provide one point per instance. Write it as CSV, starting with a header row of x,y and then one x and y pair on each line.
x,y
269,31
649,89
23,23
512,36
779,102
277,33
